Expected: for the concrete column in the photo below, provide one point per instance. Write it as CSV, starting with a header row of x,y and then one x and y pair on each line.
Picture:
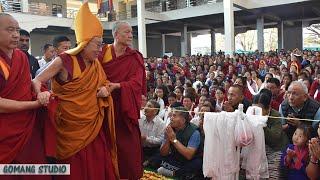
x,y
280,35
24,6
141,28
260,36
213,41
173,45
184,41
292,36
229,27
163,44
189,35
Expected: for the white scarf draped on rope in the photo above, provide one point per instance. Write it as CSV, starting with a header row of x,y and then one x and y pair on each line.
x,y
221,159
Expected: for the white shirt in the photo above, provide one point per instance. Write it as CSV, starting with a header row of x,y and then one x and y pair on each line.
x,y
142,114
166,118
276,76
162,108
42,62
195,121
219,106
197,85
207,82
153,130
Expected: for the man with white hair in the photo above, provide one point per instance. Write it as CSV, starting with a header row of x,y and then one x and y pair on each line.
x,y
299,105
125,70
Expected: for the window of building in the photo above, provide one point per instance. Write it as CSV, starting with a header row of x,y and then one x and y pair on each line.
x,y
57,10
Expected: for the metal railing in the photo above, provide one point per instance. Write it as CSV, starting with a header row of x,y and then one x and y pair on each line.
x,y
41,9
161,6
71,13
169,5
32,8
123,14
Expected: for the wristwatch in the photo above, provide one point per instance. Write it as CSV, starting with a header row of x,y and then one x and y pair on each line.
x,y
175,141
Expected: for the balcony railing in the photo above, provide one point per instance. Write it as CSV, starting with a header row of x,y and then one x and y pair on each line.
x,y
32,8
41,9
124,13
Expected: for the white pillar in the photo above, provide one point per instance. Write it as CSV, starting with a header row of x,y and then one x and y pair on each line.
x,y
184,41
24,6
213,41
280,35
228,26
141,28
260,36
163,44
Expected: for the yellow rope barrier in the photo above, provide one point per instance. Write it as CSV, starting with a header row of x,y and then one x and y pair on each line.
x,y
275,117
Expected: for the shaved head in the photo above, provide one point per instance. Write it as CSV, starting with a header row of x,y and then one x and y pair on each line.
x,y
5,15
122,33
9,32
297,94
117,25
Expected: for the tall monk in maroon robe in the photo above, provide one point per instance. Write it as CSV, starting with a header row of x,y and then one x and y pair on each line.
x,y
21,137
125,70
84,116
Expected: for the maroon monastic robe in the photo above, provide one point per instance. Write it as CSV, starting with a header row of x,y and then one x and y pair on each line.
x,y
21,133
128,70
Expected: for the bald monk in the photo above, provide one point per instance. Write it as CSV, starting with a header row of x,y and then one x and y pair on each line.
x,y
84,139
124,68
20,130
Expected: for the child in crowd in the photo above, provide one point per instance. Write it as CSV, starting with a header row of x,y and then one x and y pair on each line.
x,y
295,157
313,168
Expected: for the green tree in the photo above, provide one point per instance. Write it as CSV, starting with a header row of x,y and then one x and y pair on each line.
x,y
311,36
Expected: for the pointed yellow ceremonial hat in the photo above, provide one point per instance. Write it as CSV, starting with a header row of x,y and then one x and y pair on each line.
x,y
87,26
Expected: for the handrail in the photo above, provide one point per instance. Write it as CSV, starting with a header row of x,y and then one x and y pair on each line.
x,y
156,6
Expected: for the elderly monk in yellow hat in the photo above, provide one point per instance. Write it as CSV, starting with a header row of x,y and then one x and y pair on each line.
x,y
84,139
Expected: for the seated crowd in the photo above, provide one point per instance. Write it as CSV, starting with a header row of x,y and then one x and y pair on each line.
x,y
285,84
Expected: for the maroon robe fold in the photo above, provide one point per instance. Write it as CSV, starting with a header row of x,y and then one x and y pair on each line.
x,y
48,116
129,71
21,135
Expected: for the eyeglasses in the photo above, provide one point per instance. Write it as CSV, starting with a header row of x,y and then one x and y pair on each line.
x,y
97,44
